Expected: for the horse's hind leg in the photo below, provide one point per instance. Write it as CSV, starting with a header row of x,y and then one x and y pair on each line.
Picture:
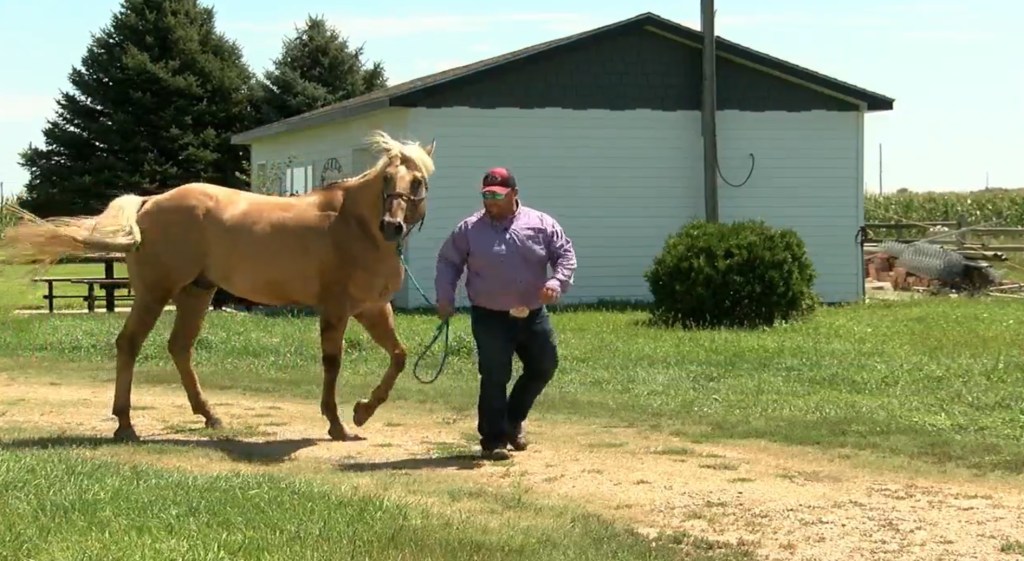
x,y
191,303
379,322
143,316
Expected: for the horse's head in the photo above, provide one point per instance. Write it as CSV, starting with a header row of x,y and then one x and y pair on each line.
x,y
405,171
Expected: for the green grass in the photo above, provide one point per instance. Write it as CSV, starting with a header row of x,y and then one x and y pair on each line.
x,y
1015,547
19,292
933,379
56,505
937,380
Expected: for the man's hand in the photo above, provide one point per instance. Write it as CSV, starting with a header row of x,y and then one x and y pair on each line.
x,y
445,311
549,295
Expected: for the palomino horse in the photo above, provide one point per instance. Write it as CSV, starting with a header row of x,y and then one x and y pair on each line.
x,y
333,248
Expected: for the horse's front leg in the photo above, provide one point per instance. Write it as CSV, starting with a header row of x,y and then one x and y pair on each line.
x,y
332,347
379,322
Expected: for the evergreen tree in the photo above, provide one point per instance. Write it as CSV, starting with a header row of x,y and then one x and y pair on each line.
x,y
316,68
154,103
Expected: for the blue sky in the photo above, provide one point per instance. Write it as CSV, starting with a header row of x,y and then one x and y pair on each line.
x,y
953,67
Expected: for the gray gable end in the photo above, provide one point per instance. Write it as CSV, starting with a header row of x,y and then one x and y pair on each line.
x,y
645,62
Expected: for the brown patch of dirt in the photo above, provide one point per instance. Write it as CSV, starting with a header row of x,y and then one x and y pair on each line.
x,y
783,502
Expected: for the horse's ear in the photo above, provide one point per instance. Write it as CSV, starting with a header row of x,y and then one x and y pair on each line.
x,y
430,149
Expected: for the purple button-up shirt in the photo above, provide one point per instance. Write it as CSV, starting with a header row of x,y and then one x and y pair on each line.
x,y
507,261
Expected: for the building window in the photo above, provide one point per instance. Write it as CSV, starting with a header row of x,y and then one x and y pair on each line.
x,y
298,180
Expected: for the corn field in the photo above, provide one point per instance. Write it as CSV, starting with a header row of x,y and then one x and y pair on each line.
x,y
6,218
1004,208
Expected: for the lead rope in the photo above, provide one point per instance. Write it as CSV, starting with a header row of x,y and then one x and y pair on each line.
x,y
441,328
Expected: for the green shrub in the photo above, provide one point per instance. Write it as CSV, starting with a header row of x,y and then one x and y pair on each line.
x,y
740,274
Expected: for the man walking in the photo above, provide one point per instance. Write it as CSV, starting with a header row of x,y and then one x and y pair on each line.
x,y
506,249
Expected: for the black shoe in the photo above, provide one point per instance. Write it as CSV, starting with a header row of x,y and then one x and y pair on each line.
x,y
517,439
518,442
495,454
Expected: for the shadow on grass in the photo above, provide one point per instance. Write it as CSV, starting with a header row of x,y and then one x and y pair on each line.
x,y
268,452
253,452
458,462
600,306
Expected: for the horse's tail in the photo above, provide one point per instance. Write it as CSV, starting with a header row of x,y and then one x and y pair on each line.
x,y
45,241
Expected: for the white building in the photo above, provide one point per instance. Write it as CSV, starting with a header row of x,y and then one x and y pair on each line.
x,y
603,131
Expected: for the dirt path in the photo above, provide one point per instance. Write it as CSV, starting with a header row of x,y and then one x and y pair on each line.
x,y
785,503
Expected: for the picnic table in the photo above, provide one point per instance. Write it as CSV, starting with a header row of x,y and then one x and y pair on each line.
x,y
108,283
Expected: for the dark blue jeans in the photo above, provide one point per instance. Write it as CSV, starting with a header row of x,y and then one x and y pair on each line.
x,y
498,336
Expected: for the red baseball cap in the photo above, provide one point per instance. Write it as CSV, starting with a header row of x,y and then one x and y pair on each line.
x,y
498,180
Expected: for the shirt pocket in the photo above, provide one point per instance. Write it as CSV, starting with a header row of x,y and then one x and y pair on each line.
x,y
533,245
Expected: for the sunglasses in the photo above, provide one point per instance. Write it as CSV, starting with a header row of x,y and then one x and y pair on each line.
x,y
490,195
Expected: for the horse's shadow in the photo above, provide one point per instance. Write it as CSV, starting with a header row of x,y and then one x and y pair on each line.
x,y
265,453
268,452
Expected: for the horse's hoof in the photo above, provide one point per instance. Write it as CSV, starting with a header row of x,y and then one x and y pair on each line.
x,y
361,412
125,434
341,435
214,423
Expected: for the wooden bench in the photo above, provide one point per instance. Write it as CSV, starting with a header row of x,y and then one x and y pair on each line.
x,y
109,285
50,296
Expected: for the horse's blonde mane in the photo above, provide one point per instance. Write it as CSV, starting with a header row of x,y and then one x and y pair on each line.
x,y
386,148
382,143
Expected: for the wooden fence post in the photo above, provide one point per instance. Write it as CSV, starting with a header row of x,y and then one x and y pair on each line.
x,y
961,223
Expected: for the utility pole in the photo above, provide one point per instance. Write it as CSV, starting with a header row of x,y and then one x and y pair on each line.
x,y
708,109
879,168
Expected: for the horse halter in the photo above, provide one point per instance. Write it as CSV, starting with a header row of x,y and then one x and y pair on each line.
x,y
407,198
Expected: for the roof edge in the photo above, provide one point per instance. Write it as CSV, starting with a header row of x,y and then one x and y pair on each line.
x,y
868,100
310,119
519,54
340,110
349,109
